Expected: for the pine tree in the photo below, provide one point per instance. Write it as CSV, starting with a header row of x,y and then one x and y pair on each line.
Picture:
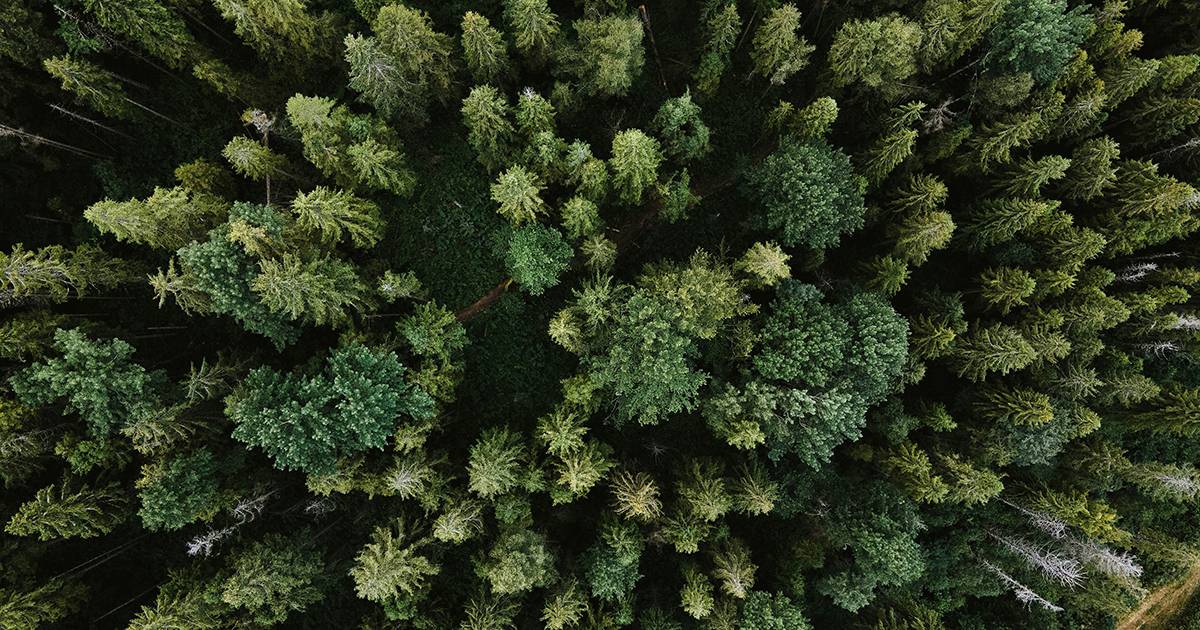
x,y
70,512
920,234
496,459
610,54
519,561
307,422
994,142
403,66
684,135
1038,37
250,158
1016,406
178,491
969,484
911,468
635,161
1162,119
534,27
779,51
721,25
1005,288
1127,77
391,567
581,218
814,120
809,193
98,379
356,150
168,219
160,31
997,220
273,578
564,608
91,84
765,263
484,49
636,496
536,257
52,274
320,291
888,152
335,214
696,596
994,348
519,194
881,53
274,29
1174,411
733,569
885,274
44,605
486,114
921,193
1027,177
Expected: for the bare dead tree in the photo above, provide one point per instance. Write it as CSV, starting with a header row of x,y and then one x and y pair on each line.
x,y
1024,594
1065,571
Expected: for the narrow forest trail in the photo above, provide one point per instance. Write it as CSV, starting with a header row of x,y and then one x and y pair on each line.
x,y
1162,605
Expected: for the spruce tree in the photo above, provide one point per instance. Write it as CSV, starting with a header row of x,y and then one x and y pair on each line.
x,y
779,51
484,49
403,66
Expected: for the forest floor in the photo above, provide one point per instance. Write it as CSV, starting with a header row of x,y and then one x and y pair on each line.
x,y
1161,606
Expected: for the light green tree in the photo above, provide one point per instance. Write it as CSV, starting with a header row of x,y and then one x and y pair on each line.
x,y
484,49
779,51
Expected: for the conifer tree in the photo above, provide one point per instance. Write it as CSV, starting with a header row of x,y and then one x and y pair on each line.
x,y
678,124
920,234
70,512
335,214
721,25
91,84
350,406
356,150
1005,288
635,161
273,578
534,27
486,114
1038,37
881,53
610,54
390,566
1172,411
536,257
484,49
519,194
998,220
320,291
1027,177
274,29
98,380
1091,171
168,219
808,192
179,491
496,459
994,348
779,51
403,66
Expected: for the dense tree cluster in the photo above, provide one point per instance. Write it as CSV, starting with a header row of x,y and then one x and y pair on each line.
x,y
714,315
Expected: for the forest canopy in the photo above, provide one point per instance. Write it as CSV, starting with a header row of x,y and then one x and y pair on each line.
x,y
592,314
